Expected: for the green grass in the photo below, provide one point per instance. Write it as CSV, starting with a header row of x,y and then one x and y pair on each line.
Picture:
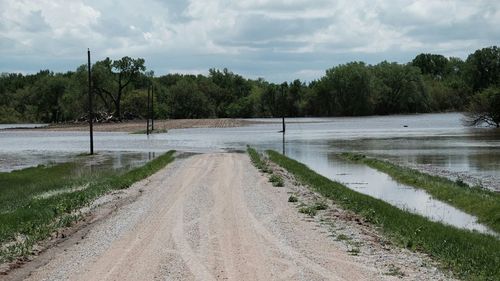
x,y
257,161
276,180
477,201
308,210
470,255
23,214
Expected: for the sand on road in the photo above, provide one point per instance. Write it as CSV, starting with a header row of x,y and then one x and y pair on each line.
x,y
206,217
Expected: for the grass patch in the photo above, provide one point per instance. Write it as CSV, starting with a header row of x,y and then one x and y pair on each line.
x,y
276,180
313,209
470,255
293,199
353,251
477,201
257,161
395,271
28,218
308,210
320,206
343,237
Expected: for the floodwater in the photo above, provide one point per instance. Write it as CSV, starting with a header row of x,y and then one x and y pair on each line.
x,y
21,126
380,185
435,139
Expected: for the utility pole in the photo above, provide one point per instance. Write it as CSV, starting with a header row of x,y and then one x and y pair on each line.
x,y
91,114
152,107
148,110
282,108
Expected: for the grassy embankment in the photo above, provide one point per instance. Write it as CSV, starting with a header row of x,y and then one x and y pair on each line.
x,y
34,202
471,256
477,201
275,180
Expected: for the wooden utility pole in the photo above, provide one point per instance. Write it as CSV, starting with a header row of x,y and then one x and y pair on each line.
x,y
282,108
148,110
91,113
152,107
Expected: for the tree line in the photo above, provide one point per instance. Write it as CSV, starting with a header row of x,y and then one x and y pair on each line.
x,y
429,83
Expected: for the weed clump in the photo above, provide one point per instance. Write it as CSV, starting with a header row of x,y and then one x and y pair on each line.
x,y
276,180
292,199
263,167
308,210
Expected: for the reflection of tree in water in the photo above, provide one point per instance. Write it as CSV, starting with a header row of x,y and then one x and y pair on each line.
x,y
487,161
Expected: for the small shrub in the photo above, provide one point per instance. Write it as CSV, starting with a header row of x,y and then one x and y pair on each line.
x,y
310,210
292,199
276,180
342,237
460,182
320,206
353,251
395,271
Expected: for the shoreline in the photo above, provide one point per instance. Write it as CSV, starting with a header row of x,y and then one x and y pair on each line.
x,y
490,183
137,126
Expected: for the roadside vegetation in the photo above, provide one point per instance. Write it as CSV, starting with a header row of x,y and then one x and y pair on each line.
x,y
260,164
428,83
470,255
35,202
482,203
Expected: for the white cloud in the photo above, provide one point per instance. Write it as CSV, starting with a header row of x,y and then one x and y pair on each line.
x,y
278,39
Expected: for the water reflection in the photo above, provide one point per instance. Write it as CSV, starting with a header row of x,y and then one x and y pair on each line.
x,y
379,185
102,161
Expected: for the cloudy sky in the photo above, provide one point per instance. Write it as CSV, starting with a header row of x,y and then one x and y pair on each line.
x,y
274,39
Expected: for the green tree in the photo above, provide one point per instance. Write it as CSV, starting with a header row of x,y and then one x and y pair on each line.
x,y
230,88
484,108
111,78
483,68
350,87
398,89
185,100
431,64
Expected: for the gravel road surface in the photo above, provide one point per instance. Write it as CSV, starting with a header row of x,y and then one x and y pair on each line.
x,y
205,217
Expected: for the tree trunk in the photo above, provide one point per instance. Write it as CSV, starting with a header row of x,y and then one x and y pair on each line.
x,y
117,109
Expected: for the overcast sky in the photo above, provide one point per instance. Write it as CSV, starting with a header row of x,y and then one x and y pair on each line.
x,y
274,39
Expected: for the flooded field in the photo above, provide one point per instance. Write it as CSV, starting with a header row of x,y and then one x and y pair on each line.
x,y
439,140
21,126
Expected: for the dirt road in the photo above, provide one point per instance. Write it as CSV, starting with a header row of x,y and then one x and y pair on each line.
x,y
206,217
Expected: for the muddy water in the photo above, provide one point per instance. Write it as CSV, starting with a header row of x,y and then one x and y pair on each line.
x,y
432,139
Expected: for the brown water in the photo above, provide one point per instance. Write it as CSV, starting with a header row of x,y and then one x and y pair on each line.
x,y
439,140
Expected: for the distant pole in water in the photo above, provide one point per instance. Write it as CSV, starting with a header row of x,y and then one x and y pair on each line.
x,y
282,110
91,114
152,107
283,144
147,114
